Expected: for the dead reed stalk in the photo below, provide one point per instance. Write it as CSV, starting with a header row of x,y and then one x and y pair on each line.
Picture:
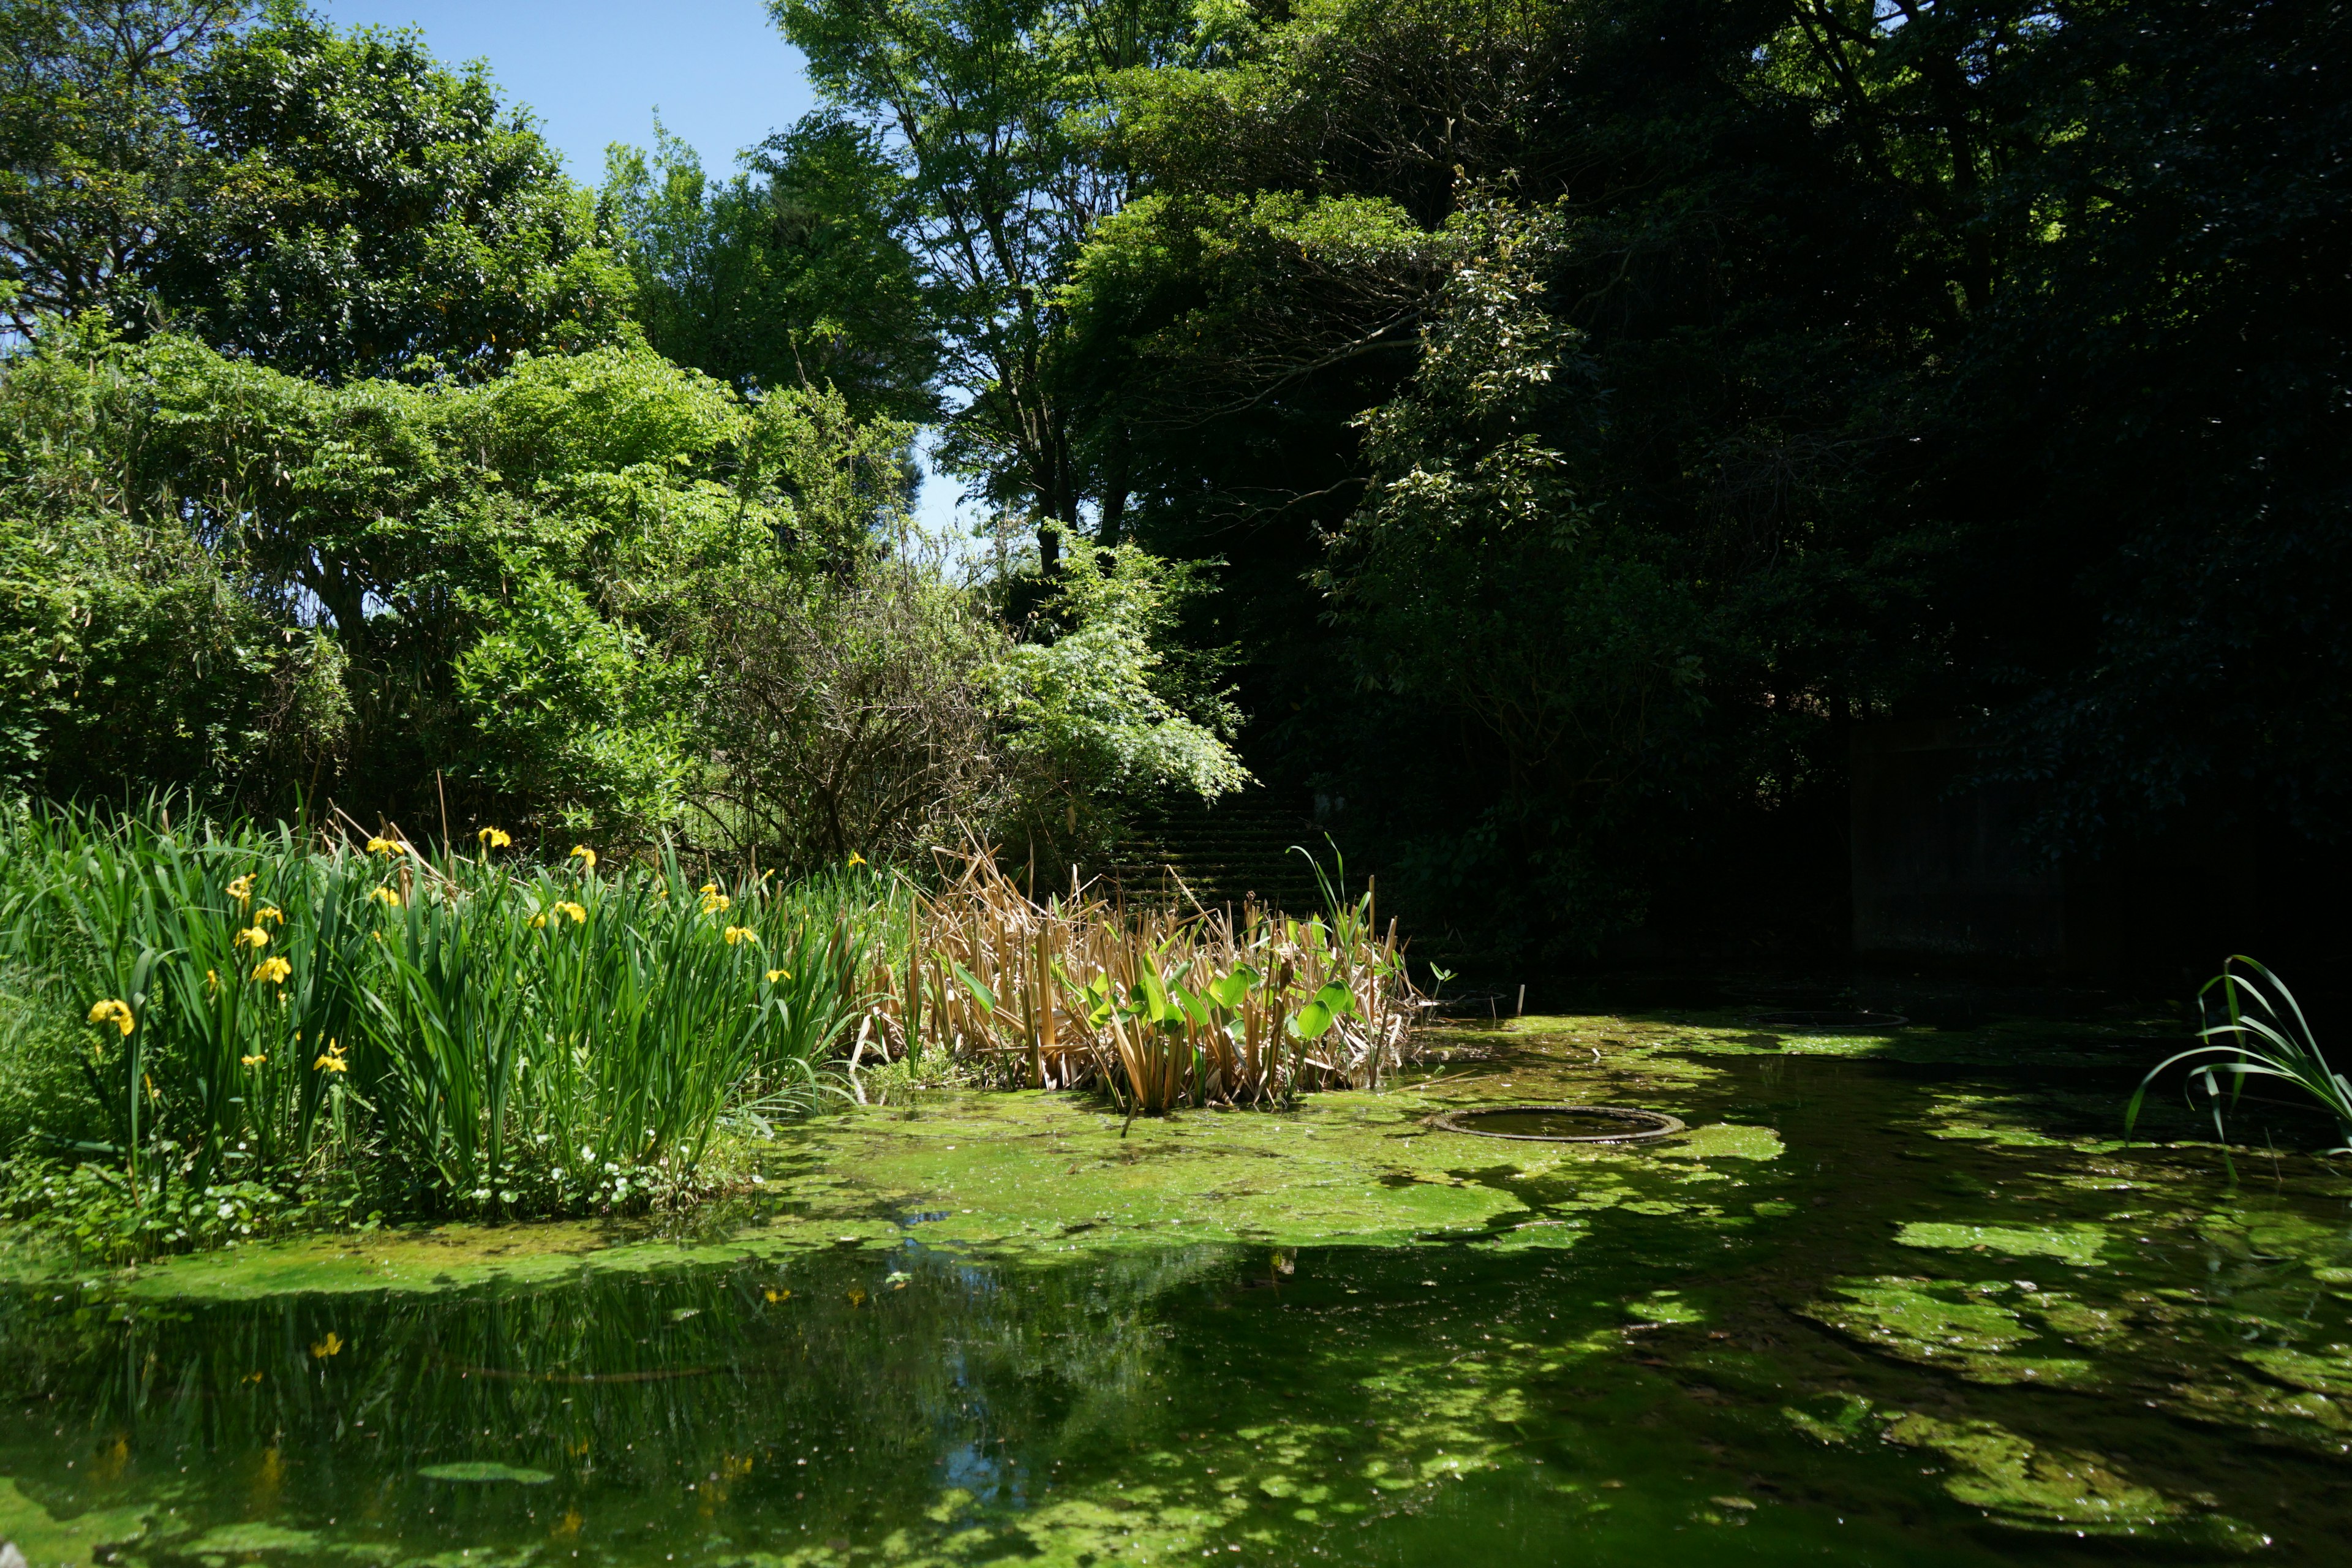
x,y
1160,1007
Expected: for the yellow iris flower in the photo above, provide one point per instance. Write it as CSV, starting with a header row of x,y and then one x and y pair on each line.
x,y
855,859
388,897
242,889
494,837
776,974
740,933
273,969
253,937
116,1013
578,914
585,856
332,1061
714,902
269,912
255,1060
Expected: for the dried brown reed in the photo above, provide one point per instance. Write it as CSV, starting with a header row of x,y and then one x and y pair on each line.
x,y
1159,1006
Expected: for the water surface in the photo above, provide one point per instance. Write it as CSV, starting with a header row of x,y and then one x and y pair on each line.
x,y
1892,1313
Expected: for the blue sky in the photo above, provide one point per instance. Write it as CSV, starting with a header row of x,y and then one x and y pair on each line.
x,y
594,70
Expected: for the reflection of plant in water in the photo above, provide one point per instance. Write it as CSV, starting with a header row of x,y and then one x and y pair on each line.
x,y
2254,1028
622,1387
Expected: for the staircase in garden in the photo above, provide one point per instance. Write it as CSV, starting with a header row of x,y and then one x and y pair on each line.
x,y
1223,854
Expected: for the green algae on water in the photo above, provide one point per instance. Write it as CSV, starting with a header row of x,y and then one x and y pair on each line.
x,y
2030,1487
1946,1324
485,1471
2079,1244
1046,1175
77,1540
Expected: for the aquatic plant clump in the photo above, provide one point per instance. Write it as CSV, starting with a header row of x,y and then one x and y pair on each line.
x,y
444,1034
2253,1028
1161,1008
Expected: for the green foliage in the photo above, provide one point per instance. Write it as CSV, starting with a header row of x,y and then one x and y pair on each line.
x,y
361,211
1601,404
334,205
1473,582
856,717
223,577
96,141
43,1096
789,274
992,113
443,1036
2254,1028
1091,711
574,710
597,595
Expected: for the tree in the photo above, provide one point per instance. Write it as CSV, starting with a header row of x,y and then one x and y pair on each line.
x,y
995,113
97,146
789,274
336,204
1969,361
361,211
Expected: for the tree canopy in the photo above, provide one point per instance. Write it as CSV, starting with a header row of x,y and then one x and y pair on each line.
x,y
336,203
1547,427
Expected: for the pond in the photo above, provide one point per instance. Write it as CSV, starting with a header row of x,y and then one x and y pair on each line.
x,y
1897,1298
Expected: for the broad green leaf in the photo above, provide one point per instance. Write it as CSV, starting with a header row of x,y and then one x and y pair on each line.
x,y
980,994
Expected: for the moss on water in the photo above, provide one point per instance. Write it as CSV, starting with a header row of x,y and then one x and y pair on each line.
x,y
1950,1325
1043,1175
1000,1328
1836,1419
1919,1321
1738,1032
457,1257
75,1540
2080,1244
2029,1486
1723,1141
2328,1373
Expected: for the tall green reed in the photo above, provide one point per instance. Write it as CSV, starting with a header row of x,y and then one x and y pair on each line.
x,y
457,1032
2253,1028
